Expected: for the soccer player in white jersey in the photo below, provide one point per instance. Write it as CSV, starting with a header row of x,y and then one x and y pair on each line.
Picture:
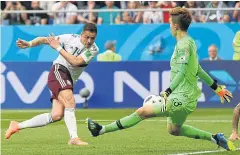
x,y
75,52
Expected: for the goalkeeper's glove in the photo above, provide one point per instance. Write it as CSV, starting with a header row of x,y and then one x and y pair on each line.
x,y
166,93
222,92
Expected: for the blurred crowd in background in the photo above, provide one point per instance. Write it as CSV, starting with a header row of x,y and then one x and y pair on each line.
x,y
145,17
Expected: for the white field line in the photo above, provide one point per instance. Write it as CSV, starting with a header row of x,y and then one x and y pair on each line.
x,y
201,152
103,120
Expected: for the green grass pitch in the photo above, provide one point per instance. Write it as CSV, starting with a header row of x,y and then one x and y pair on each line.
x,y
147,138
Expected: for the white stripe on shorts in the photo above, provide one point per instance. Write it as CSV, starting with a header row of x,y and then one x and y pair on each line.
x,y
57,74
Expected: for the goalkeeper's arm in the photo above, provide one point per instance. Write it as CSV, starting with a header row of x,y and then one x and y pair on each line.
x,y
201,74
176,81
206,78
220,90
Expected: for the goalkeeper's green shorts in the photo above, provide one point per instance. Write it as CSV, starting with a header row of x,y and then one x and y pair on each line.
x,y
177,109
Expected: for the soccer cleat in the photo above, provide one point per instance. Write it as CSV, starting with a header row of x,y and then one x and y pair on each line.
x,y
223,142
13,128
76,141
93,127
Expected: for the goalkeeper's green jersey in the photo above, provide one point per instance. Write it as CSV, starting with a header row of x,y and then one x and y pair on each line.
x,y
184,70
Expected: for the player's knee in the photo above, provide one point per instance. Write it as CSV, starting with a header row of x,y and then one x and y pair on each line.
x,y
144,112
141,112
174,132
67,98
57,116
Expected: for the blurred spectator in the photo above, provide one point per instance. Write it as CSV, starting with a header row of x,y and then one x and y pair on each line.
x,y
153,16
64,17
1,17
178,3
101,4
81,4
226,19
124,4
47,5
3,5
117,4
14,18
26,4
195,14
166,5
213,53
144,4
202,4
109,17
230,4
110,53
236,13
215,16
88,17
37,18
132,17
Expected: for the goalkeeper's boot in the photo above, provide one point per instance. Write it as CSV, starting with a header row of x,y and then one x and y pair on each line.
x,y
76,141
93,127
13,128
223,142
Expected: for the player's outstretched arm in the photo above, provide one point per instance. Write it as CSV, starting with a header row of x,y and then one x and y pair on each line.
x,y
220,90
35,42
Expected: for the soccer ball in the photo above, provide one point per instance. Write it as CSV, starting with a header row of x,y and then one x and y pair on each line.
x,y
151,99
84,92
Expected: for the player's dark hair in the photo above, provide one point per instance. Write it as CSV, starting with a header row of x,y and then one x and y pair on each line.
x,y
182,17
90,27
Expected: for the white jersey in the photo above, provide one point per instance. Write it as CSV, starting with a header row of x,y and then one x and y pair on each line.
x,y
71,44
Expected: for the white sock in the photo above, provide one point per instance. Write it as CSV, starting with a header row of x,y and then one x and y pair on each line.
x,y
102,131
37,121
70,121
213,140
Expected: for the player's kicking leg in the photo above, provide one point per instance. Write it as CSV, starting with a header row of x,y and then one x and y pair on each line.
x,y
37,121
236,114
66,97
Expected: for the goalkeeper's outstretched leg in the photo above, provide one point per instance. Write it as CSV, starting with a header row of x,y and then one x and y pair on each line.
x,y
176,114
154,106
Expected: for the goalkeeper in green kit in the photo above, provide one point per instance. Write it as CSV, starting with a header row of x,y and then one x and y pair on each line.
x,y
236,112
180,99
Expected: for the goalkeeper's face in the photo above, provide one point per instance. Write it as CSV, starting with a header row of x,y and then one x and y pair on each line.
x,y
173,27
88,38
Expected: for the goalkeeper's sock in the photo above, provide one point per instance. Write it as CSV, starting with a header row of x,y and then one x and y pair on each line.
x,y
191,132
37,121
123,123
70,121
